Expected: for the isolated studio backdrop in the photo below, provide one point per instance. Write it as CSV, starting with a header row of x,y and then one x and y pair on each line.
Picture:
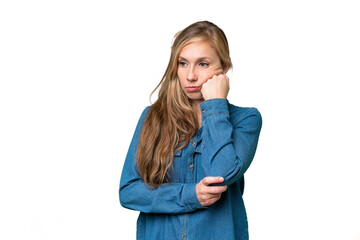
x,y
76,75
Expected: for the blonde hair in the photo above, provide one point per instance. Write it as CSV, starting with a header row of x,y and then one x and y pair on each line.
x,y
171,121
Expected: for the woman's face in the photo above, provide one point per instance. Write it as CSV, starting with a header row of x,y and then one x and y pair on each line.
x,y
197,63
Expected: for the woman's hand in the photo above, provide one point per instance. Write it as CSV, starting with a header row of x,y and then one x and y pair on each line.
x,y
208,195
216,87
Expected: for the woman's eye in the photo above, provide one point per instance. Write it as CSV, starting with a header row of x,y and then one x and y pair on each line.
x,y
182,63
203,64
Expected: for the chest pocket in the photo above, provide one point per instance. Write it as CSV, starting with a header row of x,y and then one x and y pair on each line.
x,y
178,153
175,172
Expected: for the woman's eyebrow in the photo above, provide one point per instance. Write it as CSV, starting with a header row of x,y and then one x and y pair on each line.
x,y
197,60
204,58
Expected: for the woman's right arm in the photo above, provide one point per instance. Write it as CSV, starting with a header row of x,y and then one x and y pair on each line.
x,y
168,198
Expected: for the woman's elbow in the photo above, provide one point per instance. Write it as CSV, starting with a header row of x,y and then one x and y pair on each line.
x,y
124,197
230,173
233,174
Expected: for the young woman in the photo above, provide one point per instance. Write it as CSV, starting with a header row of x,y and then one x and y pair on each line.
x,y
185,167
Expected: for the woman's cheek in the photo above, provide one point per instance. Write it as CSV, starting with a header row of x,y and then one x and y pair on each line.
x,y
205,76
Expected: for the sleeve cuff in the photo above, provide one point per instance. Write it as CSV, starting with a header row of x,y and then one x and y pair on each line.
x,y
214,106
190,198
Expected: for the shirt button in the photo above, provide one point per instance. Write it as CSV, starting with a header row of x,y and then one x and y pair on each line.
x,y
183,235
191,165
203,111
193,143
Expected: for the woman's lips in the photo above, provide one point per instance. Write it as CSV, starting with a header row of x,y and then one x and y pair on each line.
x,y
193,89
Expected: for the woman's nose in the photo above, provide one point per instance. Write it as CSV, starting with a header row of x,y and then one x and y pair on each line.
x,y
192,75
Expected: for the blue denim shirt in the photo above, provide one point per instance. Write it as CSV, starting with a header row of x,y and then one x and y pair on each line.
x,y
224,146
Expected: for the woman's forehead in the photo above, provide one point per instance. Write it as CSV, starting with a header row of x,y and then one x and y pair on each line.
x,y
196,50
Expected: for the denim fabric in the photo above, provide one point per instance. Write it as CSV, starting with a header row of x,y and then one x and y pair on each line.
x,y
224,146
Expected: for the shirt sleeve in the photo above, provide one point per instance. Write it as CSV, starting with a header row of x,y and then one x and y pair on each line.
x,y
229,147
169,198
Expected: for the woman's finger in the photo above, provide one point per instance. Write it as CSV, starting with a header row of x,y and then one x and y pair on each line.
x,y
211,180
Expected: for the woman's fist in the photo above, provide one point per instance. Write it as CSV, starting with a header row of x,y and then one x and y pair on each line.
x,y
216,87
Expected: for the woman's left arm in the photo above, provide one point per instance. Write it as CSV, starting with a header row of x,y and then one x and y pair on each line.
x,y
229,144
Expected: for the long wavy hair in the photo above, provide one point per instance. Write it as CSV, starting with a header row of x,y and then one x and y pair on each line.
x,y
171,121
